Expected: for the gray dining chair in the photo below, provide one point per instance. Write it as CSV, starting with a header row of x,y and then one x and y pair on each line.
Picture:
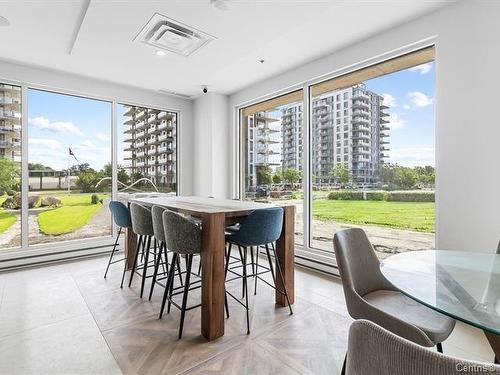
x,y
376,351
369,295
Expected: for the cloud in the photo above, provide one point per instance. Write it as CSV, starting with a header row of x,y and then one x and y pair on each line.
x,y
396,122
51,144
102,137
389,100
56,127
413,156
422,69
419,99
86,144
406,106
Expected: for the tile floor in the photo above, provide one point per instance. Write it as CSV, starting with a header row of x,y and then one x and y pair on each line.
x,y
66,319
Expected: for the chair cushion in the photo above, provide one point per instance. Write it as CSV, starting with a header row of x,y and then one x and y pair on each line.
x,y
435,325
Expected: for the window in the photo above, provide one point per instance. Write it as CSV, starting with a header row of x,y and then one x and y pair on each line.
x,y
69,155
10,166
274,173
388,174
147,151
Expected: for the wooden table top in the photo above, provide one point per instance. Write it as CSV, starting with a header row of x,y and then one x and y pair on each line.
x,y
200,206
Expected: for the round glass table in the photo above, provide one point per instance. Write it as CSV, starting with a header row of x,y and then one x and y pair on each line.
x,y
463,285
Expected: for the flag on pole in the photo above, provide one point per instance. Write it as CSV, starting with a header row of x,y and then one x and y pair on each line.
x,y
72,154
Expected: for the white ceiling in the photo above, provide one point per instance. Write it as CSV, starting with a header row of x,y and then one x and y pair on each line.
x,y
285,33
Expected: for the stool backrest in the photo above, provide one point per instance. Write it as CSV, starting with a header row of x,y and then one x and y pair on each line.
x,y
182,236
142,222
260,227
121,214
157,215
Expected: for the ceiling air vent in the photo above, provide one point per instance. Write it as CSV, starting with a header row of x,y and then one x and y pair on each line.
x,y
163,33
174,93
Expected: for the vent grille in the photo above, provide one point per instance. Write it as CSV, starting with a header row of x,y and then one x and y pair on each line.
x,y
163,33
170,92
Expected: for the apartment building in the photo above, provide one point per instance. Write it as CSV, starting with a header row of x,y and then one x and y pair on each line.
x,y
10,122
349,127
152,140
264,144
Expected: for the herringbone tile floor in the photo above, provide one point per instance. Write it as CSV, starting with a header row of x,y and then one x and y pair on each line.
x,y
66,319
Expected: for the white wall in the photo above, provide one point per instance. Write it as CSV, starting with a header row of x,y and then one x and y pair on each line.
x,y
75,84
467,130
211,129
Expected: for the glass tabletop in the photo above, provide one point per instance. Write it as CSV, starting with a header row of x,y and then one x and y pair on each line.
x,y
463,285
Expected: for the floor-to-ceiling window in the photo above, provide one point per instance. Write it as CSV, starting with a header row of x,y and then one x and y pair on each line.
x,y
70,169
147,150
271,152
369,154
10,166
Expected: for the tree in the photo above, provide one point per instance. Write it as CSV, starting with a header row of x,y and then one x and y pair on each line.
x,y
405,177
264,175
341,174
9,175
87,180
123,176
291,175
277,177
426,175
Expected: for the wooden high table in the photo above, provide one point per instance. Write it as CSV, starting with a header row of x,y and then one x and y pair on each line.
x,y
216,215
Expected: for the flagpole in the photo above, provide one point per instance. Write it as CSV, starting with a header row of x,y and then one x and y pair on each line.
x,y
69,173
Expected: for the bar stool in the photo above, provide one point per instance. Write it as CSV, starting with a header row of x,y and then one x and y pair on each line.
x,y
260,228
121,217
183,237
142,225
159,234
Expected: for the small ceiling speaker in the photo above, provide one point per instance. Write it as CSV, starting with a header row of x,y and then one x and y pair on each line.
x,y
220,4
4,21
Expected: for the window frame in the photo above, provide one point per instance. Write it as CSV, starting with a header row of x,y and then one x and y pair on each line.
x,y
54,251
305,254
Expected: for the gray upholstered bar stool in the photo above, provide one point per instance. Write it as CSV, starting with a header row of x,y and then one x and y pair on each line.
x,y
142,225
183,237
162,258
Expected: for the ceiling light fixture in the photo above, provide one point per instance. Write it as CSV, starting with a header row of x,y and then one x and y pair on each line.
x,y
160,53
4,21
220,4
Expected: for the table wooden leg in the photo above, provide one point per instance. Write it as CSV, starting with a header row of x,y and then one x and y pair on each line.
x,y
494,342
130,247
285,249
212,283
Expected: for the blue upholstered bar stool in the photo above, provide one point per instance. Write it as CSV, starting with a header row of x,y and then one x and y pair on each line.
x,y
162,258
260,228
142,225
183,237
121,217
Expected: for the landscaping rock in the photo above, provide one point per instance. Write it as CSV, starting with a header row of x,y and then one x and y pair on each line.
x,y
14,202
50,201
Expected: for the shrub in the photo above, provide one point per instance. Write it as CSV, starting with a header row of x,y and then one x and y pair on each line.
x,y
346,195
94,199
411,196
376,196
10,192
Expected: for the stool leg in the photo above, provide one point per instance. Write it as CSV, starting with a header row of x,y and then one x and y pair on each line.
x,y
228,257
244,263
245,287
113,252
135,261
189,263
145,268
170,280
256,270
252,260
155,273
180,270
270,264
278,268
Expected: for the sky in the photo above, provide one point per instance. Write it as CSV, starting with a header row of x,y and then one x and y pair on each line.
x,y
410,96
57,122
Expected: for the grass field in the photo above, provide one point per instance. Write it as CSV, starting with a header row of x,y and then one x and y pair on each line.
x,y
6,218
75,212
416,216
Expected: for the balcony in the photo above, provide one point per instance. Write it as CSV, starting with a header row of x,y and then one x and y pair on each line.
x,y
9,144
360,104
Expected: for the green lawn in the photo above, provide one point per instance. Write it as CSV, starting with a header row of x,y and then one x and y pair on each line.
x,y
75,212
418,216
6,218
